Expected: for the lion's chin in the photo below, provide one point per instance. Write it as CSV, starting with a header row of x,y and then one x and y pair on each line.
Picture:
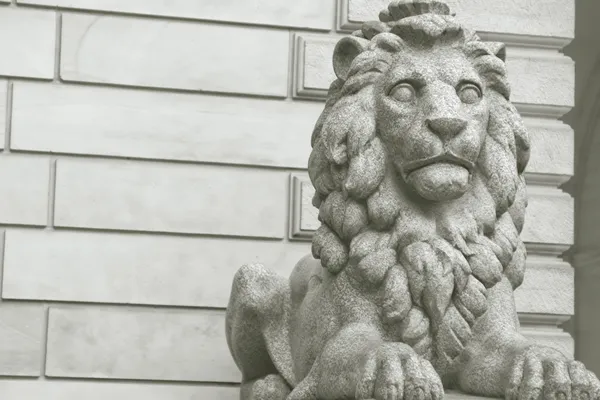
x,y
440,181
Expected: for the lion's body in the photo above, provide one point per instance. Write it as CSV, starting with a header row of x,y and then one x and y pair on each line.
x,y
417,162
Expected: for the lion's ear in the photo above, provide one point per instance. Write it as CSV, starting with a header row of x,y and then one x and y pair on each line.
x,y
345,52
498,49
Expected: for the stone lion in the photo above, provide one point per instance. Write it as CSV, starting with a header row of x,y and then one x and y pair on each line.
x,y
417,162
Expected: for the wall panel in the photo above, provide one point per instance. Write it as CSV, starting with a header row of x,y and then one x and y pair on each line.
x,y
177,198
99,49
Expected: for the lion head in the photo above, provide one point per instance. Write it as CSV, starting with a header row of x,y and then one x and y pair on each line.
x,y
417,163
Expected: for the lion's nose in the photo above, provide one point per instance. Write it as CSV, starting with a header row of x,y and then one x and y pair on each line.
x,y
446,127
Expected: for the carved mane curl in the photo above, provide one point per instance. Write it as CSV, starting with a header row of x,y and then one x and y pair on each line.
x,y
371,230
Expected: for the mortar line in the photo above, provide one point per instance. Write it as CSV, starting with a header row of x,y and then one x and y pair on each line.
x,y
57,45
2,249
51,194
291,66
44,341
8,116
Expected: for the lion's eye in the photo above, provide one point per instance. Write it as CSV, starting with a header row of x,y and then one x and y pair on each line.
x,y
404,92
469,94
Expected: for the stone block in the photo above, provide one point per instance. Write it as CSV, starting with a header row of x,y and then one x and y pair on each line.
x,y
161,345
175,198
133,268
550,217
25,189
548,287
22,329
27,43
174,55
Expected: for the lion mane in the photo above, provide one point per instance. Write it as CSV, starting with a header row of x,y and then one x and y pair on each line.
x,y
431,269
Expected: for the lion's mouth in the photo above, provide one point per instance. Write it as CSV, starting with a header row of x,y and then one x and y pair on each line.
x,y
447,158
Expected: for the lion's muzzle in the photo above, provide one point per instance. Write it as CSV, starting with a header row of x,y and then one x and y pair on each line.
x,y
439,178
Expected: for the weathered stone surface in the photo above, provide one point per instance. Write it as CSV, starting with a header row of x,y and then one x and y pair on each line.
x,y
418,164
168,126
177,198
138,344
312,14
27,40
25,187
21,339
171,54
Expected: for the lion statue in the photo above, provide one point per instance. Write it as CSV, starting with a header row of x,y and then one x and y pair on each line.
x,y
417,161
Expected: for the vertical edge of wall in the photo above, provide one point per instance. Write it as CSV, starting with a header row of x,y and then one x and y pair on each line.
x,y
585,186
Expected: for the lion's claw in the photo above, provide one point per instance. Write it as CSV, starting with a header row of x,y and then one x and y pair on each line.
x,y
542,372
393,371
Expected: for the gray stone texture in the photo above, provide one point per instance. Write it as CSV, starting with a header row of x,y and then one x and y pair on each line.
x,y
417,162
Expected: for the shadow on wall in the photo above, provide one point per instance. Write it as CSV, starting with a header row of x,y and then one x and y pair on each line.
x,y
584,118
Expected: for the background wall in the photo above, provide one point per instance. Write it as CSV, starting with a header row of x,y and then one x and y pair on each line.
x,y
585,185
150,148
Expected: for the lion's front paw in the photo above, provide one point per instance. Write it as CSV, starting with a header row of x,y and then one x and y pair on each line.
x,y
542,372
393,371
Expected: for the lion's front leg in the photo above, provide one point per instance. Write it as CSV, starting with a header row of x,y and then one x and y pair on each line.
x,y
485,364
500,362
358,364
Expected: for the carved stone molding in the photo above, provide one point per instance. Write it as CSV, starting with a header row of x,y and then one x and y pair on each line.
x,y
303,216
547,32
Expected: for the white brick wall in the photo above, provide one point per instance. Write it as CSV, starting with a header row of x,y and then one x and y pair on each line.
x,y
161,125
147,153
